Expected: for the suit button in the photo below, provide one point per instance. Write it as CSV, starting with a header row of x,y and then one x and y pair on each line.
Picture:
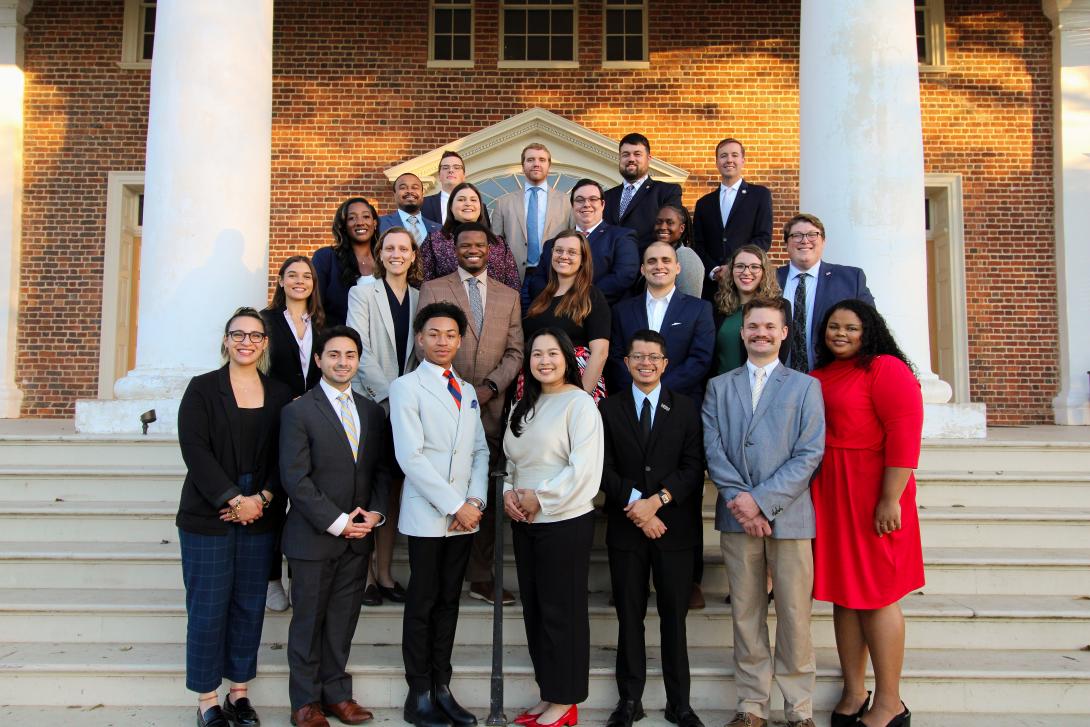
x,y
647,469
749,444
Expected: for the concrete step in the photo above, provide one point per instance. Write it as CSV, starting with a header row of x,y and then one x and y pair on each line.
x,y
949,681
991,488
99,716
86,483
158,616
1040,451
88,449
1042,571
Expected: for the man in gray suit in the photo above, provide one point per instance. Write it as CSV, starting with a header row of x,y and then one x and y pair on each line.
x,y
764,436
334,466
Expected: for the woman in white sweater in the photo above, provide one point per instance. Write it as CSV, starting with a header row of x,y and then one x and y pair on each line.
x,y
554,448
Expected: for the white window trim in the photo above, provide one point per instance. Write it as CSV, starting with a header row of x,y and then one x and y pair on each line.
x,y
122,191
951,188
574,63
132,41
432,62
635,65
935,28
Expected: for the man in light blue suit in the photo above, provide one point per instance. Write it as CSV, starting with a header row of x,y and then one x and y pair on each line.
x,y
764,436
408,196
812,287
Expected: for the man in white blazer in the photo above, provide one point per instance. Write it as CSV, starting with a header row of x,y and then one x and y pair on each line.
x,y
511,217
440,444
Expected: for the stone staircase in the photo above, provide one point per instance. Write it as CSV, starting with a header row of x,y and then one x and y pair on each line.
x,y
92,611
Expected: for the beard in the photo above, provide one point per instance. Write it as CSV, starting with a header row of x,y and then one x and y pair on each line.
x,y
410,209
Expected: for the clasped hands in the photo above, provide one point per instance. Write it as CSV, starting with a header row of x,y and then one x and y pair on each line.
x,y
466,518
521,505
249,509
745,510
356,530
643,515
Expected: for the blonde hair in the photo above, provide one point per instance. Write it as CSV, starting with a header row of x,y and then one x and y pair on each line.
x,y
247,312
728,298
416,270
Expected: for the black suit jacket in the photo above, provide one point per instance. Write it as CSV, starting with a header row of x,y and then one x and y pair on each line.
x,y
643,209
209,433
284,363
321,477
749,222
673,459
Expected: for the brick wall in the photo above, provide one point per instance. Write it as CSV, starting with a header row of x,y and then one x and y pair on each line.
x,y
353,95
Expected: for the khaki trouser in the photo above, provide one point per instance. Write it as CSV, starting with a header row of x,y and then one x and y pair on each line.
x,y
792,564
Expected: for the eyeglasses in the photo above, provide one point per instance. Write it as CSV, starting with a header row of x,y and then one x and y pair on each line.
x,y
586,200
654,358
451,168
752,267
240,336
797,236
557,252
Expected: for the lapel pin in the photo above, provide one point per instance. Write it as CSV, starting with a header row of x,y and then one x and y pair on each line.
x,y
664,407
744,191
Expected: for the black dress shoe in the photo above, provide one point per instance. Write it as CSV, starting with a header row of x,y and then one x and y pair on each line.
x,y
212,717
848,720
454,711
371,596
241,713
684,717
395,594
626,712
422,711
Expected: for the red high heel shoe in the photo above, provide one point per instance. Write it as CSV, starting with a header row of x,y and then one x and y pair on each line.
x,y
527,718
568,719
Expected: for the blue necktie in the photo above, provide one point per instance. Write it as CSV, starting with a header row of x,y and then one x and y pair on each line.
x,y
533,235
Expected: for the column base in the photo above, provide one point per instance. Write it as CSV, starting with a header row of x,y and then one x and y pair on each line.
x,y
122,416
11,401
1071,410
954,421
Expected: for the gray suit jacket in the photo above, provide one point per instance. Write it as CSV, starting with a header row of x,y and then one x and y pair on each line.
x,y
509,220
369,313
771,453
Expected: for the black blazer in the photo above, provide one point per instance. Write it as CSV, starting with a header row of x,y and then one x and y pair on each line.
x,y
322,479
209,431
284,354
673,459
643,209
749,222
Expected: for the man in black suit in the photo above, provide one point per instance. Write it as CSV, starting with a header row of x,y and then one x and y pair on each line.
x,y
335,470
452,172
635,203
653,476
736,214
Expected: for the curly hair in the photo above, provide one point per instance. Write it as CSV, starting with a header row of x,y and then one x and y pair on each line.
x,y
342,241
877,338
728,298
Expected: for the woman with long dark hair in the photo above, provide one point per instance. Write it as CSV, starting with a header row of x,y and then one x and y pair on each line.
x,y
465,204
554,446
867,552
349,259
571,303
748,274
229,432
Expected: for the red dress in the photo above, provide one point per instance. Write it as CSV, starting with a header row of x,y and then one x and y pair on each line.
x,y
873,420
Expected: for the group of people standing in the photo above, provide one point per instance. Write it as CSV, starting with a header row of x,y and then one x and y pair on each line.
x,y
600,341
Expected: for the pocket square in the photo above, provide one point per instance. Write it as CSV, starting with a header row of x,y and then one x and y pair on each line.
x,y
473,404
675,323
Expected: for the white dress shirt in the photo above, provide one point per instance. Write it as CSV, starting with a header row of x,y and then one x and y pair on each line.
x,y
727,198
656,308
811,296
638,396
306,343
768,369
444,197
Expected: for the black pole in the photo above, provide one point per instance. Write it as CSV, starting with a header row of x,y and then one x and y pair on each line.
x,y
496,717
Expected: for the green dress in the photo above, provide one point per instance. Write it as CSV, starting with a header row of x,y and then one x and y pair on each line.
x,y
729,351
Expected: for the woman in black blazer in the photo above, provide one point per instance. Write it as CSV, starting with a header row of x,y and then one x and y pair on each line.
x,y
351,256
229,432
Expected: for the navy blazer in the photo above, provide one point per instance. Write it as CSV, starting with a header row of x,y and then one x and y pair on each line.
x,y
614,256
749,222
333,291
690,342
644,208
836,283
394,220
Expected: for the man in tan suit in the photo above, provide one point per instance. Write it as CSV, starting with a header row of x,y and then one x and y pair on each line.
x,y
490,358
551,210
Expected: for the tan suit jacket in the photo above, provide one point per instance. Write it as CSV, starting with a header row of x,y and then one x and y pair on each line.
x,y
496,354
509,220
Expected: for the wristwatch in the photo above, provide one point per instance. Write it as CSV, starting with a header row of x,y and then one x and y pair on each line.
x,y
665,497
475,502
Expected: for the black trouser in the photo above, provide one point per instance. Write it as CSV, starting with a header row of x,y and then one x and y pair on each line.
x,y
671,571
553,565
437,566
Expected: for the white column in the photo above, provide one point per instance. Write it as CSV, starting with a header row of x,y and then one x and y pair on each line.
x,y
861,167
12,13
206,200
1071,141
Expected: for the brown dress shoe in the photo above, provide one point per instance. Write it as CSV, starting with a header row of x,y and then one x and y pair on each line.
x,y
348,712
745,719
696,598
309,715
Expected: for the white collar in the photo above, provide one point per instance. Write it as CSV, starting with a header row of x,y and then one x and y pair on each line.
x,y
768,368
650,299
793,272
735,186
333,394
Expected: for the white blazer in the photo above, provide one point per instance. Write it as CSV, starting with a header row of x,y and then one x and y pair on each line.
x,y
369,313
441,449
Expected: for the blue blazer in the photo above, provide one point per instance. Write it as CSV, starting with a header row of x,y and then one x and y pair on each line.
x,y
615,258
836,283
690,341
643,209
749,221
394,220
333,291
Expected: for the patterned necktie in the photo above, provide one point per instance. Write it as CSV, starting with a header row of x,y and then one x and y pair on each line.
x,y
758,387
533,235
454,389
799,354
645,420
414,227
476,307
348,422
626,197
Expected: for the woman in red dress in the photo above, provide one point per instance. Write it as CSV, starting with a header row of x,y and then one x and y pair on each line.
x,y
867,552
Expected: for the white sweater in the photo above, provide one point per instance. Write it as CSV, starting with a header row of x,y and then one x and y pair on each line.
x,y
558,455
